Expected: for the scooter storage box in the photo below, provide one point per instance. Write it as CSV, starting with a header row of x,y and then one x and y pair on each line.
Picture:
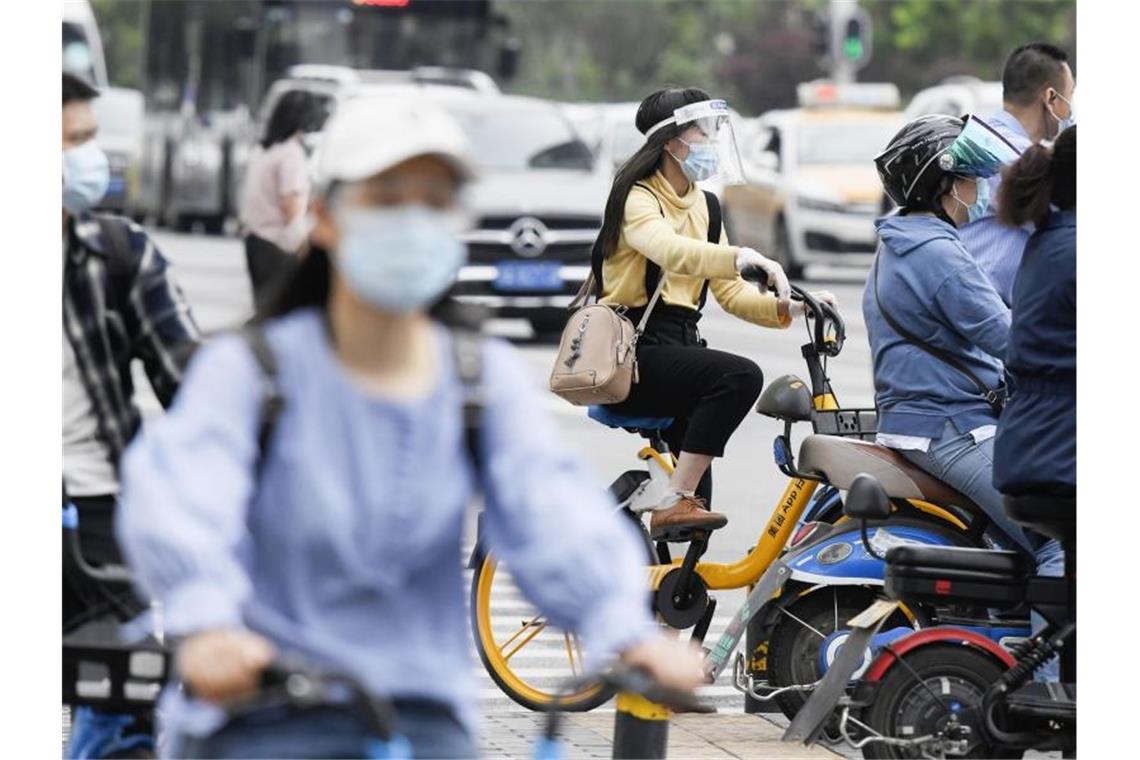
x,y
940,574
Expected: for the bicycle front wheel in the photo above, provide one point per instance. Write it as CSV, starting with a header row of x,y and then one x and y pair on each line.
x,y
529,659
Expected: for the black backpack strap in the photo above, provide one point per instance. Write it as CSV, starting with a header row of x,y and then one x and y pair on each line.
x,y
272,400
652,271
467,346
994,397
122,263
716,223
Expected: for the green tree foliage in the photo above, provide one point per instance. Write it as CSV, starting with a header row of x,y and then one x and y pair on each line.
x,y
754,52
121,27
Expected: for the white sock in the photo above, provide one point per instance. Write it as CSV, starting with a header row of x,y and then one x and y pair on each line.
x,y
672,496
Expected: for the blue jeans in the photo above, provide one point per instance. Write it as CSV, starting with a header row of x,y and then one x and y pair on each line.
x,y
333,732
958,461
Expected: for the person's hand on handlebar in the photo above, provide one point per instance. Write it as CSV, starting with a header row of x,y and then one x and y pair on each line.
x,y
675,664
746,258
826,296
224,665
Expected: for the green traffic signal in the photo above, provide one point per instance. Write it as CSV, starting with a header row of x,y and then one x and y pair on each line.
x,y
853,48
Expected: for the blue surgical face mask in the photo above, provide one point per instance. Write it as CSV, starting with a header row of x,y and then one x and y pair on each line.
x,y
981,204
86,175
702,162
399,259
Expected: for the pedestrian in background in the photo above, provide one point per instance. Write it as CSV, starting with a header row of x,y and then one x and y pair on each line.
x,y
339,537
276,192
1037,101
120,303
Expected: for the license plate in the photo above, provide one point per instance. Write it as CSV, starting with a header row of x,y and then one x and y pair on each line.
x,y
540,276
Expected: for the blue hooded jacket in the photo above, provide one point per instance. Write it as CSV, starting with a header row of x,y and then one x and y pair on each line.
x,y
934,288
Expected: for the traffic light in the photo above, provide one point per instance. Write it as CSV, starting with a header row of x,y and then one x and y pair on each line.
x,y
855,42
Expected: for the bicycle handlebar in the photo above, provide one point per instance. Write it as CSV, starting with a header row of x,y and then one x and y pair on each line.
x,y
829,332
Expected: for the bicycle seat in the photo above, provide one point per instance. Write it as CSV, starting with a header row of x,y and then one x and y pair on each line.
x,y
839,460
607,416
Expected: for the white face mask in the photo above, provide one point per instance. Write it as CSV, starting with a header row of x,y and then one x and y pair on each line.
x,y
400,258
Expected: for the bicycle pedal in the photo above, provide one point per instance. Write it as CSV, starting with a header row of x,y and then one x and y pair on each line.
x,y
680,535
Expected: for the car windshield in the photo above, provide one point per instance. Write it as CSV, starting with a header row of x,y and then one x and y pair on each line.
x,y
837,142
523,139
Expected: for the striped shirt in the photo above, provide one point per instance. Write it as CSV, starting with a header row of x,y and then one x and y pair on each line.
x,y
998,248
119,306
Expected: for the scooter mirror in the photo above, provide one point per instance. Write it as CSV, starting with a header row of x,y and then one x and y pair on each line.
x,y
866,499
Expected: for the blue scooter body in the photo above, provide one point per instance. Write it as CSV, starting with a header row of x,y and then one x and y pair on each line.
x,y
841,559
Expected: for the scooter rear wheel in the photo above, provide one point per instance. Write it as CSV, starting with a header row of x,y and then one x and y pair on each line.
x,y
917,696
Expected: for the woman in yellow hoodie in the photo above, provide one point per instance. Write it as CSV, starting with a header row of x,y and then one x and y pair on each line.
x,y
656,225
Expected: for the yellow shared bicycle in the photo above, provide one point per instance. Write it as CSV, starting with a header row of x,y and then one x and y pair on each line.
x,y
530,659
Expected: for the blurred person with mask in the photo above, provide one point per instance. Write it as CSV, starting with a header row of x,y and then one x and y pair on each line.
x,y
1037,94
276,191
120,303
339,538
939,396
1035,449
655,236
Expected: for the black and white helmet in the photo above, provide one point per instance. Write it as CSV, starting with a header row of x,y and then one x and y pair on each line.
x,y
909,167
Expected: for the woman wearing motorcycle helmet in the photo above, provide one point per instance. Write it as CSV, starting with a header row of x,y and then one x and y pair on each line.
x,y
655,231
339,537
937,388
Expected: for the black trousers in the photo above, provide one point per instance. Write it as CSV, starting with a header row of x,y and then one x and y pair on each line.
x,y
265,262
706,391
84,599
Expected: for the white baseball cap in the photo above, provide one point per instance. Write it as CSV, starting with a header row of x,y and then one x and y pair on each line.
x,y
370,134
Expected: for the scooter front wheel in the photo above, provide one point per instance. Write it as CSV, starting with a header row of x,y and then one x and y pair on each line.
x,y
804,625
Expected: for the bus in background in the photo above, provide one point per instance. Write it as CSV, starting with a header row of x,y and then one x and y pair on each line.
x,y
209,65
120,111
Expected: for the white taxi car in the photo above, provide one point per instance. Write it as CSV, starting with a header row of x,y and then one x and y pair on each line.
x,y
812,194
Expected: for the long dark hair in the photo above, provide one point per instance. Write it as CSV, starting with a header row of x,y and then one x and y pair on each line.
x,y
1040,178
656,107
296,111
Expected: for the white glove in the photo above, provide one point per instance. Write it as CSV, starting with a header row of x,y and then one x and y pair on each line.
x,y
797,307
746,258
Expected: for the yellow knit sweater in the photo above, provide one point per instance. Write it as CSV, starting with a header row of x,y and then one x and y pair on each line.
x,y
678,243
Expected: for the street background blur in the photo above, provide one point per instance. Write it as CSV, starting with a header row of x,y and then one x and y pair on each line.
x,y
547,92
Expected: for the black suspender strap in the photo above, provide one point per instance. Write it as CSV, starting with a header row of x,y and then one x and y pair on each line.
x,y
468,351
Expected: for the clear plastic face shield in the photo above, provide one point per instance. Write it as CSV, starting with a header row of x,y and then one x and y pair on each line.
x,y
979,151
706,128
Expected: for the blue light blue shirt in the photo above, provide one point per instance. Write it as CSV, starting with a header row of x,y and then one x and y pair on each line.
x,y
348,552
998,249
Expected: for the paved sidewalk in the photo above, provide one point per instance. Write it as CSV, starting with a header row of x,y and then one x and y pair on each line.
x,y
590,735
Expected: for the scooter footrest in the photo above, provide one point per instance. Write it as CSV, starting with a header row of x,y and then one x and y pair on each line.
x,y
1044,701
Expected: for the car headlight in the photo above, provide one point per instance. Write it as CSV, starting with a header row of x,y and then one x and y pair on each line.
x,y
819,204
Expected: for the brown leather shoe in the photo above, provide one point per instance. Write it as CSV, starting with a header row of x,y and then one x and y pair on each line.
x,y
688,514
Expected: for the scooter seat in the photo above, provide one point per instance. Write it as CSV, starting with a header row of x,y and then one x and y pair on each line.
x,y
607,416
949,558
1055,516
839,460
